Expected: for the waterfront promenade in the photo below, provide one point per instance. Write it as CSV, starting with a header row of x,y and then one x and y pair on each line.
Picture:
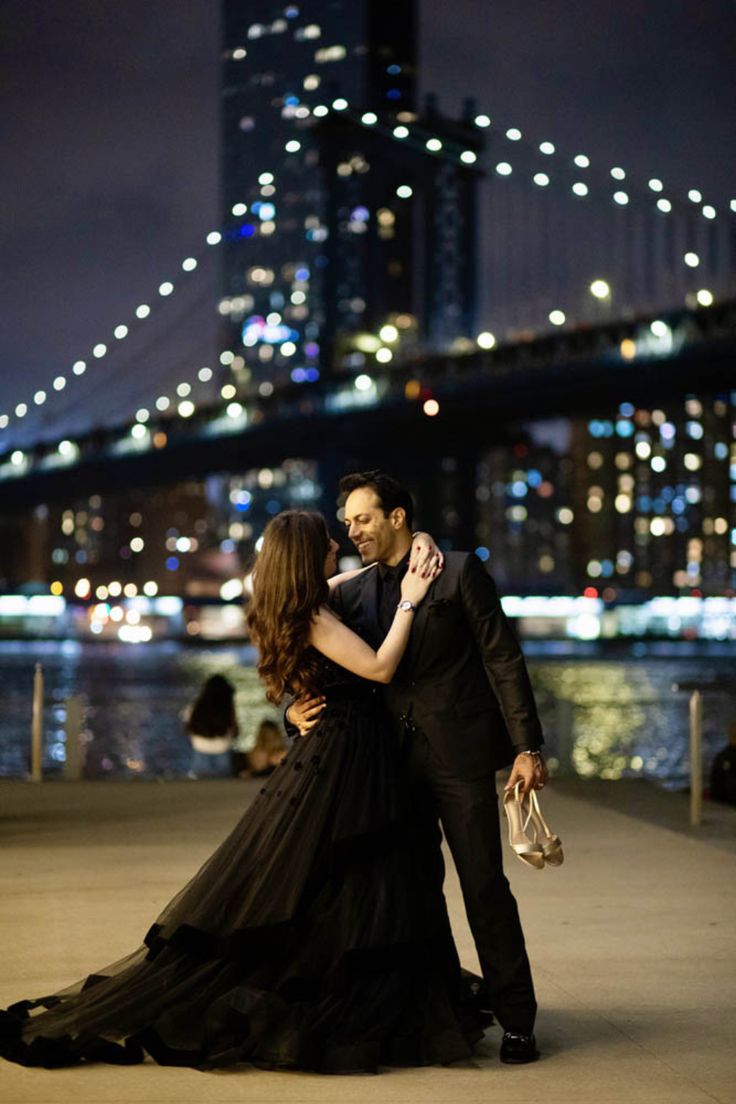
x,y
632,944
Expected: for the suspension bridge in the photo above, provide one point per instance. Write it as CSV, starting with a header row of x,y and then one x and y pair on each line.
x,y
626,292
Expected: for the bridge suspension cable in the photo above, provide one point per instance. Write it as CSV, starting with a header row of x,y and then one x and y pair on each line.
x,y
420,135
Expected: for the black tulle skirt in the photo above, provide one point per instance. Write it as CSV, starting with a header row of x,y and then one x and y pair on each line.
x,y
308,940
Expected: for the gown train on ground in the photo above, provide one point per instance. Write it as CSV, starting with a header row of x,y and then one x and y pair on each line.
x,y
306,941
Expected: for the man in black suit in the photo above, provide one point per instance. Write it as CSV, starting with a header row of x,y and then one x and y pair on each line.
x,y
465,708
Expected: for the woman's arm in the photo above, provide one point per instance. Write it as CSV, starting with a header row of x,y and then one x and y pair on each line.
x,y
336,641
424,555
339,643
343,577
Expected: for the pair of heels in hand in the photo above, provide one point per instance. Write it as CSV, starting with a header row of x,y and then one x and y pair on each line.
x,y
530,836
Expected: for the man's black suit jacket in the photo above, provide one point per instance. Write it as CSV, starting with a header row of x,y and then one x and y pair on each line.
x,y
463,680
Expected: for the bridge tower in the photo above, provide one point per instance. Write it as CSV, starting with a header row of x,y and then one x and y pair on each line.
x,y
363,244
350,233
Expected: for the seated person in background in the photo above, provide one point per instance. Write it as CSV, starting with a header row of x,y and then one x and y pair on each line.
x,y
723,771
212,727
270,748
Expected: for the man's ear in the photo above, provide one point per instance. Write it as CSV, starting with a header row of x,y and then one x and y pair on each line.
x,y
398,517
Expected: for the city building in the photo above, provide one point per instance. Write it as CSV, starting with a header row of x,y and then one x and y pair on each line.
x,y
364,246
523,519
348,244
655,496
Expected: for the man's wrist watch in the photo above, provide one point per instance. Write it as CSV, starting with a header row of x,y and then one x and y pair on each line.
x,y
406,605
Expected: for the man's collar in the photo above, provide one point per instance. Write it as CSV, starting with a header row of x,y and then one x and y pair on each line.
x,y
394,571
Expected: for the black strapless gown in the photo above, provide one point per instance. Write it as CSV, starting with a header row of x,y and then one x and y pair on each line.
x,y
306,940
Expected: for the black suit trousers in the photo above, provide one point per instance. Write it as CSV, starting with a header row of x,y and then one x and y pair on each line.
x,y
468,812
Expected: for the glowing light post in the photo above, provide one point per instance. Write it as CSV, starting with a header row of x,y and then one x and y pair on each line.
x,y
37,726
696,757
695,709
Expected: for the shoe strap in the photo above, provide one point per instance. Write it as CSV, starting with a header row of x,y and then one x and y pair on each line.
x,y
535,803
520,802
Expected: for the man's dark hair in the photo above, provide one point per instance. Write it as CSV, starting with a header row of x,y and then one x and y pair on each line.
x,y
389,492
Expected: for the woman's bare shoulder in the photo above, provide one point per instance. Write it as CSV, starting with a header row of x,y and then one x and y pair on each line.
x,y
325,616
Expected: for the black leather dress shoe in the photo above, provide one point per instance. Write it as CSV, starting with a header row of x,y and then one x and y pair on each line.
x,y
517,1049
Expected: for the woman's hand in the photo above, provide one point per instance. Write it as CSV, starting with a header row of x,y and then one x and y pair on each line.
x,y
425,555
415,586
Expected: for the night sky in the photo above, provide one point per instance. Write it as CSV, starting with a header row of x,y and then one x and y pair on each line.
x,y
110,147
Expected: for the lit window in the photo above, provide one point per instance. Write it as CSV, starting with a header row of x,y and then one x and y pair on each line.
x,y
312,30
330,53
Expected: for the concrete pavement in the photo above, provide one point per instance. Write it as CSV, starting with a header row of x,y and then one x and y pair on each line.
x,y
631,941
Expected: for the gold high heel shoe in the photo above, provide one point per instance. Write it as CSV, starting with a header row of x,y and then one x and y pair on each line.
x,y
528,851
551,844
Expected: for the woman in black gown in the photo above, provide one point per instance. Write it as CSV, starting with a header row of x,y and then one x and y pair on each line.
x,y
305,941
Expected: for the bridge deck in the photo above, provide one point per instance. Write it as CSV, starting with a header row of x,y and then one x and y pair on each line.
x,y
630,941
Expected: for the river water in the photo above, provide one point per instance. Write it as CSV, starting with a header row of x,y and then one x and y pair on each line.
x,y
605,715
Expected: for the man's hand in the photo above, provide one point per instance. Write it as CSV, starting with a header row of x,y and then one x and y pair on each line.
x,y
304,713
530,770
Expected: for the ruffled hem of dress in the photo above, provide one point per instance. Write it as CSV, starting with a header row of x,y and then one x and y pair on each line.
x,y
66,1050
305,1053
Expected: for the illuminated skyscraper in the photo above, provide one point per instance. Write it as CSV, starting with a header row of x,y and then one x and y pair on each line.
x,y
523,516
337,227
654,495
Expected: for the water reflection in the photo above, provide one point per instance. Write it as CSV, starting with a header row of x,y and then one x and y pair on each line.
x,y
131,702
620,718
604,718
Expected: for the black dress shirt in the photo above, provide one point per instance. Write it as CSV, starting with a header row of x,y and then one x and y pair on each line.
x,y
389,591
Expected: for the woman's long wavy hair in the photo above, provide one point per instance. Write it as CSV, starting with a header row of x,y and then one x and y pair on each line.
x,y
289,586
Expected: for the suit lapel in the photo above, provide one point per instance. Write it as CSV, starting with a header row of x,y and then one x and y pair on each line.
x,y
369,606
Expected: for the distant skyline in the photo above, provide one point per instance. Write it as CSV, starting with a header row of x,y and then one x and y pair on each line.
x,y
110,131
